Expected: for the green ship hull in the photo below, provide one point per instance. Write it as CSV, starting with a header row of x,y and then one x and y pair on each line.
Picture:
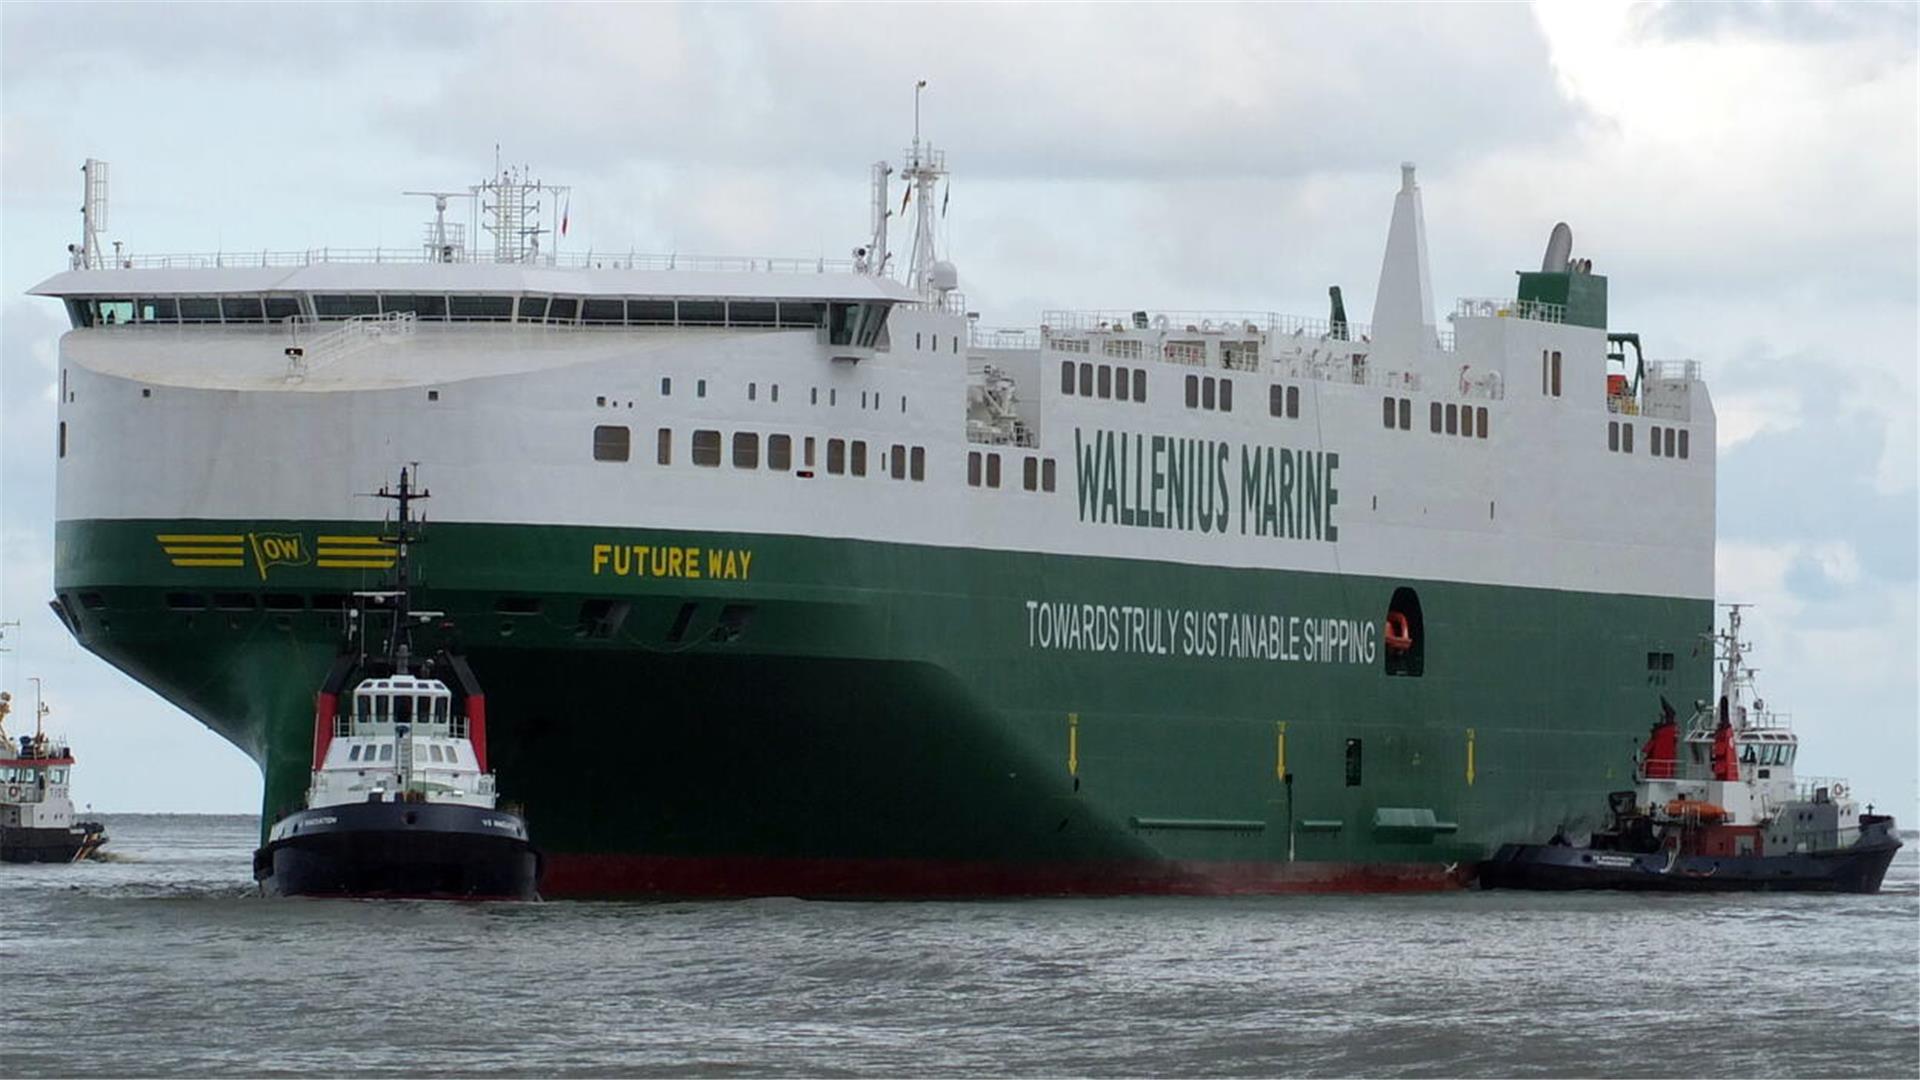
x,y
685,713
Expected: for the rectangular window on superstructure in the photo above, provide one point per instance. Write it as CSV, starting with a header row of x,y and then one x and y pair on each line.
x,y
753,391
233,309
1353,762
1653,440
63,439
1406,415
1453,420
602,312
1386,412
973,468
1105,385
1276,400
1226,394
1669,437
836,457
666,386
1121,384
611,442
431,306
859,457
746,450
334,306
650,313
1613,435
533,308
780,452
201,309
897,461
808,453
993,470
1545,367
918,468
480,308
563,309
799,313
1556,373
1086,380
1683,442
1433,417
157,309
1193,391
282,307
664,446
1206,392
1626,438
706,449
1066,376
1466,421
1048,474
1293,403
752,313
703,312
1140,384
1480,423
1030,474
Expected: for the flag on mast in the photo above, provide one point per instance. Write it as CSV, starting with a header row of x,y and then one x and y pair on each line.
x,y
566,209
906,196
946,198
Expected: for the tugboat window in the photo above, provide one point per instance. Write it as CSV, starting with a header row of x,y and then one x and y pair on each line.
x,y
1353,762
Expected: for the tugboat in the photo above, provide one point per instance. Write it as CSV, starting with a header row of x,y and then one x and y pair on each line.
x,y
401,803
1716,809
36,812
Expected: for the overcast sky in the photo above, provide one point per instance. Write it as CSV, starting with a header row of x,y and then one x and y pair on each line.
x,y
1744,174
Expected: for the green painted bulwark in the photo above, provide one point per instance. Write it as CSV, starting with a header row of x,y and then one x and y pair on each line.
x,y
671,694
1584,296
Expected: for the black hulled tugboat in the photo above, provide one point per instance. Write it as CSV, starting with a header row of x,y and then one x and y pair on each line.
x,y
1717,808
36,809
401,803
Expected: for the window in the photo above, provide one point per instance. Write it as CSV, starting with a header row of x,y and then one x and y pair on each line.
x,y
1086,380
780,452
602,312
993,470
1293,403
1066,376
836,456
1226,395
649,313
157,309
859,457
453,753
1466,421
353,752
1683,442
1193,391
802,313
563,309
1453,420
916,339
1276,400
611,442
750,313
339,307
433,751
63,438
1556,373
1480,423
533,308
1139,384
1386,412
203,309
386,749
666,386
1626,438
1653,440
808,451
1106,381
700,388
1047,475
1353,762
282,307
706,449
1613,435
746,450
897,462
973,468
1433,417
480,308
1206,392
1545,367
918,468
774,393
1406,415
665,443
753,391
703,313
1030,474
1669,436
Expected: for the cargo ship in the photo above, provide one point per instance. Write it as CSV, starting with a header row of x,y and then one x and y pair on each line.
x,y
790,577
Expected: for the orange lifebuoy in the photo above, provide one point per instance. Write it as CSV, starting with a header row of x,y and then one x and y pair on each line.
x,y
1399,633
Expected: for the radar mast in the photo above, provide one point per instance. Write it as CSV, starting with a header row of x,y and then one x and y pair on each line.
x,y
923,169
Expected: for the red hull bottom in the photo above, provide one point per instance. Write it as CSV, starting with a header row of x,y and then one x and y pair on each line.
x,y
644,876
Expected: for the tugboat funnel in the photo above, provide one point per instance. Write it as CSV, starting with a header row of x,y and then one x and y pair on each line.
x,y
1403,327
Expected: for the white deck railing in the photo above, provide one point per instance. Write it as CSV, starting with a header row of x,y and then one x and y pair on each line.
x,y
588,260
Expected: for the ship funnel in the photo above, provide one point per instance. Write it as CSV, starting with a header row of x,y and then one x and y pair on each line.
x,y
1559,249
1403,328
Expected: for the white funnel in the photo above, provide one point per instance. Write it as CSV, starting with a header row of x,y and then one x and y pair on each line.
x,y
1403,328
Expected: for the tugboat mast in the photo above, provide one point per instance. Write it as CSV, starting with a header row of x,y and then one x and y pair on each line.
x,y
400,635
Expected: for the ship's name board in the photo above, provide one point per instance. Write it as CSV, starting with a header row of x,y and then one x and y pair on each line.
x,y
1141,630
1205,485
672,561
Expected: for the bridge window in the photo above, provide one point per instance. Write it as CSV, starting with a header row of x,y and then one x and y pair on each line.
x,y
335,306
797,313
703,313
533,308
563,309
157,309
199,309
650,312
602,312
752,313
422,305
480,308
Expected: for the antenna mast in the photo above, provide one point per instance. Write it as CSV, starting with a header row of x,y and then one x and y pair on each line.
x,y
924,168
93,216
444,243
514,203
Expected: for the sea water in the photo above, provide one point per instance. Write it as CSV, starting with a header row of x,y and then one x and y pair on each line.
x,y
161,961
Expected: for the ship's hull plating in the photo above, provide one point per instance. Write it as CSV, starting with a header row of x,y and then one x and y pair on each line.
x,y
1858,868
422,850
838,717
64,845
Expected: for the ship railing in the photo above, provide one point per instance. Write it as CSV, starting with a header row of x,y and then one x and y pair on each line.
x,y
351,335
1002,338
1223,323
1501,308
1809,788
572,260
1681,370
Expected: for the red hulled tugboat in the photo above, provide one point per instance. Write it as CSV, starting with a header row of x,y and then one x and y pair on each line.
x,y
36,811
401,803
1717,808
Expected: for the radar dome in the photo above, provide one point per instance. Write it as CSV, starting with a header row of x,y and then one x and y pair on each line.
x,y
944,277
